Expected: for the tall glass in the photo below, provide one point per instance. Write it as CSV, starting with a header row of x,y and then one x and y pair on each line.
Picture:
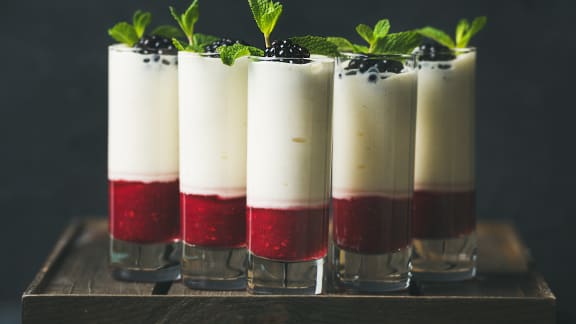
x,y
444,197
288,180
374,121
143,165
213,170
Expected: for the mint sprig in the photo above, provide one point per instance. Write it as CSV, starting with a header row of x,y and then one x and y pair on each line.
x,y
167,31
198,43
379,40
124,33
187,20
229,54
437,35
464,33
129,34
266,14
316,45
141,20
398,43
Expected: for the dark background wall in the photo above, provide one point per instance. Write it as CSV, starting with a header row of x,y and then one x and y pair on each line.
x,y
53,113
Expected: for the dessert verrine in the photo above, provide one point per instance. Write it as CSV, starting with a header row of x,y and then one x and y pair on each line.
x,y
143,153
288,181
288,158
444,181
143,160
444,198
213,168
374,117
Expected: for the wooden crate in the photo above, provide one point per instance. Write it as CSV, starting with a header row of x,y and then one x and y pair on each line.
x,y
74,286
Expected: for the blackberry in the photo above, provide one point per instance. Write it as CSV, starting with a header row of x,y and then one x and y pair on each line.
x,y
363,64
156,45
285,48
211,48
435,52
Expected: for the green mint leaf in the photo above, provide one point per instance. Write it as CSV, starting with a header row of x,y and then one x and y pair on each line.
x,y
366,33
203,39
176,17
191,15
361,49
477,25
124,33
461,30
141,20
187,20
179,46
398,43
341,43
317,45
381,29
266,14
437,35
229,54
167,31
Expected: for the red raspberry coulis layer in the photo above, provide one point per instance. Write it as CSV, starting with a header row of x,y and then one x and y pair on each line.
x,y
144,212
213,221
372,224
299,234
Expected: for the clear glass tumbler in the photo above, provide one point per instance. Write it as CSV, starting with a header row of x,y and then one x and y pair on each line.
x,y
373,168
443,223
143,165
212,99
288,179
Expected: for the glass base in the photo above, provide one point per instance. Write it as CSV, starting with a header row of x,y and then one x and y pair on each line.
x,y
445,259
154,262
267,276
211,268
371,273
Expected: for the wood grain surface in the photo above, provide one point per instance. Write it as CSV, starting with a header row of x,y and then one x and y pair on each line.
x,y
74,286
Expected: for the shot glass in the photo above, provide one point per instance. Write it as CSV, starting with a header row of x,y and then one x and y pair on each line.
x,y
373,171
143,165
288,179
443,223
213,171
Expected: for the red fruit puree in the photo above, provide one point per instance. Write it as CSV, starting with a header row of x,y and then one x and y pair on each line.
x,y
372,224
443,214
299,234
213,221
144,212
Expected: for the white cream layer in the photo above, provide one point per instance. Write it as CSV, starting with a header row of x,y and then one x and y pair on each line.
x,y
445,125
289,134
142,116
212,125
373,135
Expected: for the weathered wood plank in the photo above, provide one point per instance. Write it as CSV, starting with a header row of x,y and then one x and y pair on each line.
x,y
74,287
84,268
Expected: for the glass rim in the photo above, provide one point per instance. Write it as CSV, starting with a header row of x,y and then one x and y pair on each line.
x,y
456,50
198,54
351,55
312,58
123,48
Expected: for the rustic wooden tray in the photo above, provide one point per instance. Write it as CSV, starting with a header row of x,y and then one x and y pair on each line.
x,y
74,287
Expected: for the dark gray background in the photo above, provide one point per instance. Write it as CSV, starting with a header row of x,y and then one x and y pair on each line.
x,y
53,113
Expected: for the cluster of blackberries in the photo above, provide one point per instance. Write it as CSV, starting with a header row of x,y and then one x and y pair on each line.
x,y
435,52
156,45
212,47
293,53
364,63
